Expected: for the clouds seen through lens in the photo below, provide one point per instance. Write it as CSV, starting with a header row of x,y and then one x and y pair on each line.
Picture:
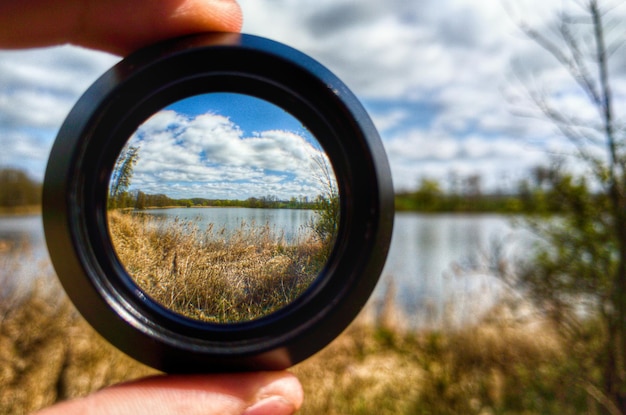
x,y
219,146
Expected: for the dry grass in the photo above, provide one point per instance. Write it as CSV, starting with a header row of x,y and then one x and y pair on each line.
x,y
214,275
501,366
377,367
47,352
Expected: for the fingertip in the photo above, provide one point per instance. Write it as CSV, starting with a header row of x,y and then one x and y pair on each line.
x,y
138,24
233,15
274,405
219,15
285,385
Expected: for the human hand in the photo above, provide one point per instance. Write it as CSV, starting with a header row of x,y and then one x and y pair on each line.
x,y
265,393
116,26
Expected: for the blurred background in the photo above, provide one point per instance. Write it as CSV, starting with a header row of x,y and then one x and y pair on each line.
x,y
503,122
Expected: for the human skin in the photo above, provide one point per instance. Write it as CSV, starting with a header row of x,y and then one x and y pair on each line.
x,y
120,27
260,393
116,26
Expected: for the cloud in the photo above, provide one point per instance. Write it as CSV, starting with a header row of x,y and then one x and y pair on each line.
x,y
420,153
456,55
209,156
37,90
443,67
401,49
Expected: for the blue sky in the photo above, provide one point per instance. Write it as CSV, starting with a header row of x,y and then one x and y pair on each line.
x,y
252,115
226,146
437,77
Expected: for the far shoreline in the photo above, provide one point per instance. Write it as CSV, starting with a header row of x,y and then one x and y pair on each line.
x,y
29,210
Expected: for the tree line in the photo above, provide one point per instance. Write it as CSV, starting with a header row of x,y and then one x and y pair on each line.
x,y
139,200
538,193
17,189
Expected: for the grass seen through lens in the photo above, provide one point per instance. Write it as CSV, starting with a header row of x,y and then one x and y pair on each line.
x,y
213,274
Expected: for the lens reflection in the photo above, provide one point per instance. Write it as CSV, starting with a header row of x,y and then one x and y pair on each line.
x,y
223,207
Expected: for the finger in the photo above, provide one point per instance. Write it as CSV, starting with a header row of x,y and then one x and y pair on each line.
x,y
117,26
277,393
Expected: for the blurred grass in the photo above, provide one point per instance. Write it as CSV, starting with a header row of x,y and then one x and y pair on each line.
x,y
503,365
48,353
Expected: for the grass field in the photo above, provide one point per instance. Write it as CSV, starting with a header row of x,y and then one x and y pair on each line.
x,y
503,365
212,274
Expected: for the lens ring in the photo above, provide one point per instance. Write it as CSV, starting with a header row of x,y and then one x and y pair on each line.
x,y
95,131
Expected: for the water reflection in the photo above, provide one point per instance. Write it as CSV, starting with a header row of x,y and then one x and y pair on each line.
x,y
437,265
23,254
15,229
289,223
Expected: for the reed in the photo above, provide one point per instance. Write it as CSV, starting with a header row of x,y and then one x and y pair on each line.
x,y
213,274
48,353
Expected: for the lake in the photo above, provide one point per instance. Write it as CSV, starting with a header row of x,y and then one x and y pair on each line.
x,y
283,222
435,260
438,264
16,231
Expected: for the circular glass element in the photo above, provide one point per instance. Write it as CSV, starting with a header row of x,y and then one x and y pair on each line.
x,y
223,207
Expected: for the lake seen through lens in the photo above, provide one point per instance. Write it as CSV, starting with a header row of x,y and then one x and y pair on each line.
x,y
288,223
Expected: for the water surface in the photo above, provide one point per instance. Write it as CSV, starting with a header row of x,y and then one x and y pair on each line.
x,y
283,222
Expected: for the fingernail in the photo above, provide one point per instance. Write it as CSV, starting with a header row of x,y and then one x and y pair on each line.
x,y
273,405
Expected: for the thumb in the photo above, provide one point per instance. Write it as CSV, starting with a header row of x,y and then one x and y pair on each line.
x,y
263,393
117,26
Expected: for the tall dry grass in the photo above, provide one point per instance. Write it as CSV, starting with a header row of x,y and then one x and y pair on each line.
x,y
378,366
47,352
212,274
504,365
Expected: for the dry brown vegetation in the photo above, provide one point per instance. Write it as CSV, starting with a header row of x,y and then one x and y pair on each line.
x,y
377,367
502,366
212,274
47,352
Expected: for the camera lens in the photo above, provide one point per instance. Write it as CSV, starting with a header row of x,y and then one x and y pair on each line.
x,y
218,202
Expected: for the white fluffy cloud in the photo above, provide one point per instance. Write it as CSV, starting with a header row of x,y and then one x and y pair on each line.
x,y
37,90
209,156
440,156
457,58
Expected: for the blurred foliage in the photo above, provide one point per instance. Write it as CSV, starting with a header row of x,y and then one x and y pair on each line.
x,y
529,196
578,271
17,189
572,277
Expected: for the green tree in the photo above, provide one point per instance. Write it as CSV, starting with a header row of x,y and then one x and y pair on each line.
x,y
122,176
428,196
583,264
327,205
140,200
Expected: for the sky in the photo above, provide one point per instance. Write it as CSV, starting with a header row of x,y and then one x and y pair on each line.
x,y
442,80
226,146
